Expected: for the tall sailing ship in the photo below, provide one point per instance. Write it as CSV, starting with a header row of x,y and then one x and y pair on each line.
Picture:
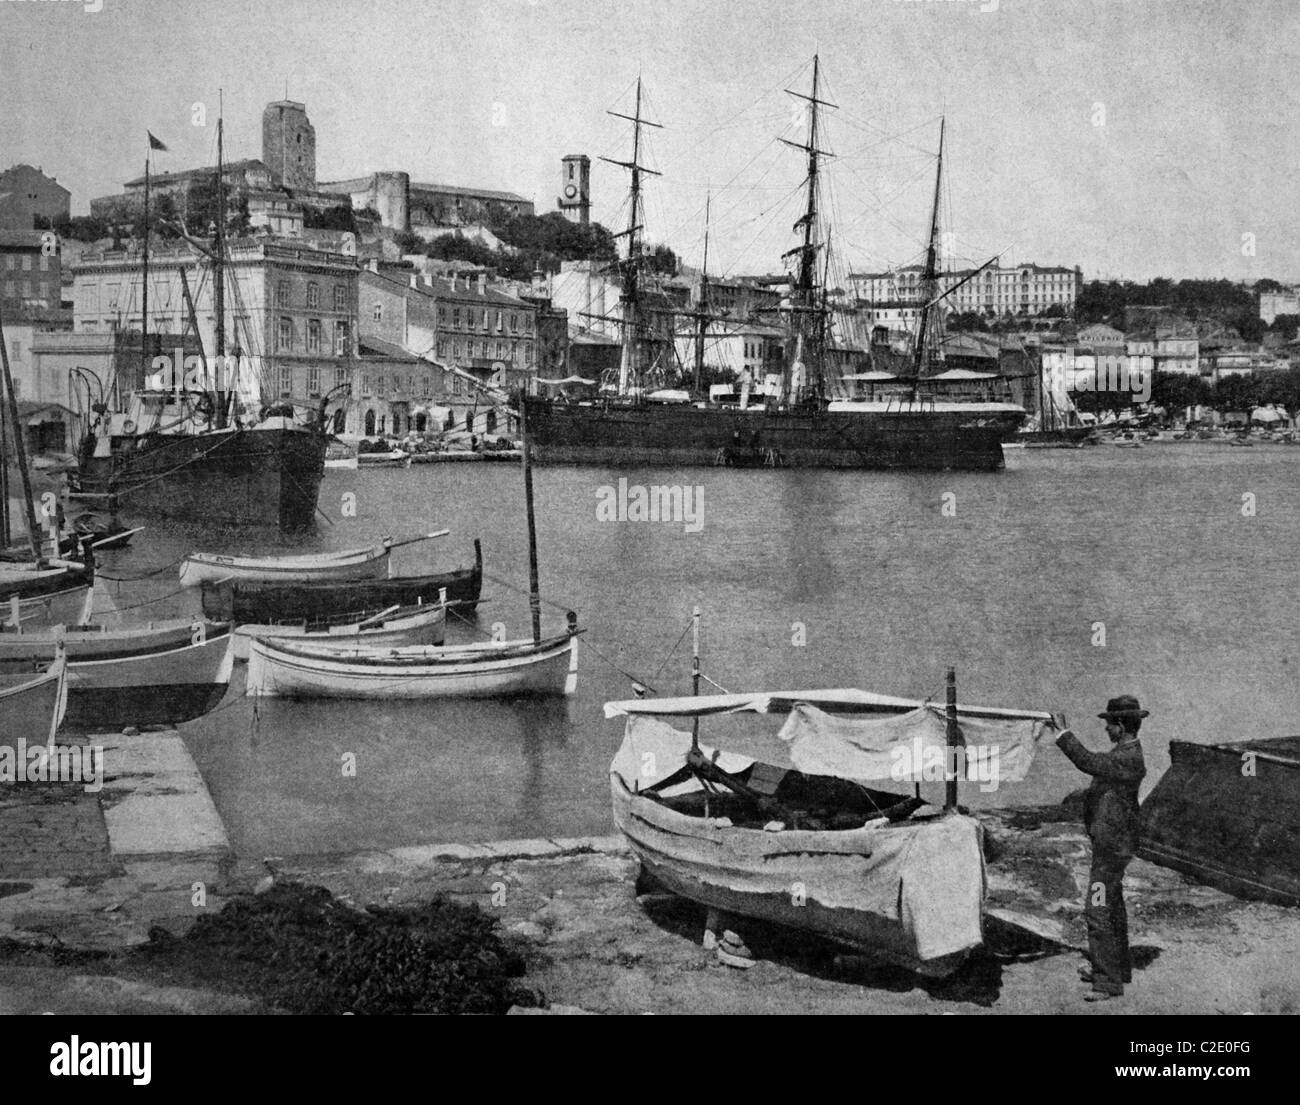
x,y
199,454
918,423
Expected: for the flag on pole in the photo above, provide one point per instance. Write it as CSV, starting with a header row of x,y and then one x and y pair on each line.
x,y
154,144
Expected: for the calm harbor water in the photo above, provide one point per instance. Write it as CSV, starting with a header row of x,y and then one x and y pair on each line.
x,y
1198,603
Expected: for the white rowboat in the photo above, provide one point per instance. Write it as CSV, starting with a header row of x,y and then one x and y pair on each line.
x,y
395,628
492,670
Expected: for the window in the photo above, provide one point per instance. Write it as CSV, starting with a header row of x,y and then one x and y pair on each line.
x,y
313,296
379,312
284,336
456,385
313,335
383,418
286,380
27,262
340,297
442,316
410,384
455,317
514,322
456,351
501,351
427,385
500,318
9,289
341,339
45,263
381,384
282,293
442,348
485,318
10,261
27,289
365,385
340,376
313,380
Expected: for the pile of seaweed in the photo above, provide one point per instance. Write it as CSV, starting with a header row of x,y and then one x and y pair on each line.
x,y
300,949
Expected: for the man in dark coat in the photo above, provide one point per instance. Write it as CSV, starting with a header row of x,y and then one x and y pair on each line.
x,y
1110,815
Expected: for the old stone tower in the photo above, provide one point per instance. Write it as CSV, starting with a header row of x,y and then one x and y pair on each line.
x,y
575,188
289,144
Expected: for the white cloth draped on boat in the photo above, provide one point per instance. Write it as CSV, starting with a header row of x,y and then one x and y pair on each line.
x,y
910,747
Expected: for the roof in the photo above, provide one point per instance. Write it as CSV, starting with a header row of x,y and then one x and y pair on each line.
x,y
476,193
387,349
205,170
437,287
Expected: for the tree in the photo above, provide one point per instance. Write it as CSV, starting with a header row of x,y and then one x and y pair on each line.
x,y
1286,325
340,217
966,321
1267,285
663,260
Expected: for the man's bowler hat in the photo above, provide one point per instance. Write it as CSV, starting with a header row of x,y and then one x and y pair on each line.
x,y
1123,706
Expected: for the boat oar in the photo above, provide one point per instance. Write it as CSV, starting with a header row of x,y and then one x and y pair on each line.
x,y
416,540
116,537
378,617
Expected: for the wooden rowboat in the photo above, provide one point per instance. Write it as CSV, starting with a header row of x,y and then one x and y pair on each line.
x,y
160,687
28,581
67,607
397,627
101,642
806,841
32,705
261,602
491,670
372,563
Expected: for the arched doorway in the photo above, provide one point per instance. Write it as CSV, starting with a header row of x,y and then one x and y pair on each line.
x,y
340,420
370,423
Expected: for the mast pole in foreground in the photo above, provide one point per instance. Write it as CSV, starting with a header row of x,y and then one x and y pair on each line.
x,y
695,675
144,286
20,450
534,593
930,278
219,283
953,741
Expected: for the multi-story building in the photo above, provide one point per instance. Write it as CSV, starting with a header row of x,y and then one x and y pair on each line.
x,y
477,335
1272,304
403,205
737,299
27,194
1023,290
30,270
736,348
290,311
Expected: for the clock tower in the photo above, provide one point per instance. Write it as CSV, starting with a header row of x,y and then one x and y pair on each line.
x,y
575,188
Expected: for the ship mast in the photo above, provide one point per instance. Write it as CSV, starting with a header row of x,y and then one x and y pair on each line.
x,y
805,301
629,361
930,278
219,284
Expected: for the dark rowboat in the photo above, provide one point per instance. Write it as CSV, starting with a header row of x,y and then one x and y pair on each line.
x,y
260,602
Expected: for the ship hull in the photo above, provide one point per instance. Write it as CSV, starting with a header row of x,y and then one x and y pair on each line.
x,y
255,476
692,436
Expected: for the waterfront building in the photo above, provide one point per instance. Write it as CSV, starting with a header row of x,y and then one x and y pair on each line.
x,y
30,271
1026,289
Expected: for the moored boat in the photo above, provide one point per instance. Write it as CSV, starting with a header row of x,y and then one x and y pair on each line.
x,y
102,642
396,627
261,602
488,670
161,687
70,606
348,564
32,704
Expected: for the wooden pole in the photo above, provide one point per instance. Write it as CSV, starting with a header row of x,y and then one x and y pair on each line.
x,y
20,449
4,480
144,285
953,741
695,675
534,594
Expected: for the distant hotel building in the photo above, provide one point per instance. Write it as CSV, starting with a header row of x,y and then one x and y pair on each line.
x,y
1022,290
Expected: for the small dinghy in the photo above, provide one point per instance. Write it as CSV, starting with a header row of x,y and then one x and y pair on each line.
x,y
396,627
32,705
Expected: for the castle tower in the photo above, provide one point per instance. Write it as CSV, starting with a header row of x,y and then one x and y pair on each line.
x,y
575,188
289,145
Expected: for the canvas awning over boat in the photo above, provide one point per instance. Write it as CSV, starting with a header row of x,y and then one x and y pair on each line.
x,y
861,735
568,380
870,377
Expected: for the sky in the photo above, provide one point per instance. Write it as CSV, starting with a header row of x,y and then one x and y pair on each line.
x,y
1133,138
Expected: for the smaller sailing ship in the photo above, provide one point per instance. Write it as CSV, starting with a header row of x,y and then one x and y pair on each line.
x,y
199,456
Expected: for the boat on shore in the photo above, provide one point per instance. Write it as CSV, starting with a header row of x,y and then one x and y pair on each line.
x,y
32,704
482,670
879,870
262,602
349,564
396,627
